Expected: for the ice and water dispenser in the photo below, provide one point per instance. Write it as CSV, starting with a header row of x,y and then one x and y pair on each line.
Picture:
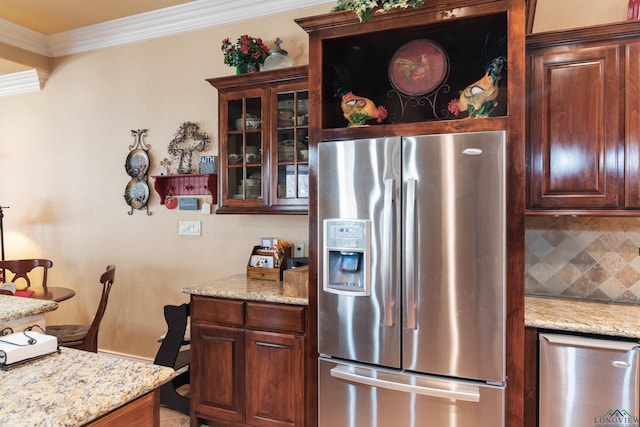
x,y
346,256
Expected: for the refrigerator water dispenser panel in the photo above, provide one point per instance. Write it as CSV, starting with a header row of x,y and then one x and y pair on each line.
x,y
346,256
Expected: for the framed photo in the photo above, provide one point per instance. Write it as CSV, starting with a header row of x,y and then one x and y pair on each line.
x,y
208,164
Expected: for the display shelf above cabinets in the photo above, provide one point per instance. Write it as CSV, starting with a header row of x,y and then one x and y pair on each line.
x,y
187,185
416,65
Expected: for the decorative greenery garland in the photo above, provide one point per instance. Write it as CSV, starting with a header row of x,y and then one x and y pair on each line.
x,y
364,9
184,155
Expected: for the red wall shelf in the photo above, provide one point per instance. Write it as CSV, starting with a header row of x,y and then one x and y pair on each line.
x,y
187,185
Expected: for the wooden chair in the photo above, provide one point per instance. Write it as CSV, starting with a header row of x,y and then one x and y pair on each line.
x,y
20,268
85,337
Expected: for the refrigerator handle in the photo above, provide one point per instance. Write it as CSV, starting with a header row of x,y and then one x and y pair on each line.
x,y
410,223
470,393
387,281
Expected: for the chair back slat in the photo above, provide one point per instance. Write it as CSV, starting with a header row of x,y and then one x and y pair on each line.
x,y
20,269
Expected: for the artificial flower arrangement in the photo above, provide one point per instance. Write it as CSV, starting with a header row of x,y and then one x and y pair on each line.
x,y
246,54
364,9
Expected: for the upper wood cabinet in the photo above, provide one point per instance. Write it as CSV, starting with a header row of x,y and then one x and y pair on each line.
x,y
583,130
575,127
263,141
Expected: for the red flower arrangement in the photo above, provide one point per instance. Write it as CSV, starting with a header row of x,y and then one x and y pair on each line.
x,y
246,52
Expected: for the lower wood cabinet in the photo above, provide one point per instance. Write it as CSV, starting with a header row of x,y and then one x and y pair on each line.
x,y
247,363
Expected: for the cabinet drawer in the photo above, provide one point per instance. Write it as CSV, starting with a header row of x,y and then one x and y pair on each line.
x,y
216,310
275,317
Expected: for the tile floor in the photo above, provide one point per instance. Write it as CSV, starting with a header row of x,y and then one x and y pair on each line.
x,y
171,418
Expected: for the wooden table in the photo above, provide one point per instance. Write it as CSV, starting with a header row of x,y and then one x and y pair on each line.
x,y
53,293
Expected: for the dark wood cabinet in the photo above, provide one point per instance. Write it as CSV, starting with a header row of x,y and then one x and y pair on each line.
x,y
575,127
247,363
275,371
583,132
632,126
263,141
466,30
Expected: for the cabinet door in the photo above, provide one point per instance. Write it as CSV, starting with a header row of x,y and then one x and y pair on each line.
x,y
290,145
632,127
217,369
275,379
243,137
575,128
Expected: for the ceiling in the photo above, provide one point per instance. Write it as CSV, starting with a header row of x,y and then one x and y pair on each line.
x,y
54,16
34,31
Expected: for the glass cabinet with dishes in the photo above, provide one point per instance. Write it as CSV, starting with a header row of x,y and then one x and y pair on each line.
x,y
263,141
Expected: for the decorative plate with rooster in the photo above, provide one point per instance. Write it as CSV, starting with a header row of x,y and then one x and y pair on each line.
x,y
418,67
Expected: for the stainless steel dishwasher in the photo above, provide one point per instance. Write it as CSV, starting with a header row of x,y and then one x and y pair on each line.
x,y
588,382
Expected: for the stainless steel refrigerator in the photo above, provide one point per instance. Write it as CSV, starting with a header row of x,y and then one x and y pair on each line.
x,y
411,295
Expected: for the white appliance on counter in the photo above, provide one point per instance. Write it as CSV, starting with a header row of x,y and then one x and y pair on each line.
x,y
411,299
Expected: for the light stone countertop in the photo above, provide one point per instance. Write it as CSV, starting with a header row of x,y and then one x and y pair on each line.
x,y
593,317
12,308
241,287
73,388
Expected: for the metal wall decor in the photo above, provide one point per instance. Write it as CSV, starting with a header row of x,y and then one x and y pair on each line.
x,y
136,193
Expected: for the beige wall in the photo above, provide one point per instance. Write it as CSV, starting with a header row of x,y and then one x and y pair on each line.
x,y
62,154
560,14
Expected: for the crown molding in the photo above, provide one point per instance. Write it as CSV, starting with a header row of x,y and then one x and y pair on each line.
x,y
182,18
196,15
22,82
24,38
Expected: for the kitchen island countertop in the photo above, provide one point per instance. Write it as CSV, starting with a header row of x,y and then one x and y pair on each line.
x,y
592,317
12,308
74,388
241,287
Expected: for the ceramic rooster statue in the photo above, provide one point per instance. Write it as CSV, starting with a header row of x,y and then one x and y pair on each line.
x,y
358,110
478,99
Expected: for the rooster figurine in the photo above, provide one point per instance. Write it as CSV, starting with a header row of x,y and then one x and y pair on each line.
x,y
359,110
356,109
478,99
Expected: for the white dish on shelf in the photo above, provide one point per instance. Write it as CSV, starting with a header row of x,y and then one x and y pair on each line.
x,y
251,123
288,104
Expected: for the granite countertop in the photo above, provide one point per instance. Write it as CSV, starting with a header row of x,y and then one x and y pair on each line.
x,y
593,317
18,307
241,287
73,388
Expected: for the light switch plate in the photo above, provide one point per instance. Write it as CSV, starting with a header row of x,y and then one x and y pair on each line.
x,y
298,250
189,228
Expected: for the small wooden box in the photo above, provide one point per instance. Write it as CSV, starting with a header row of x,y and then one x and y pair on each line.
x,y
296,282
265,273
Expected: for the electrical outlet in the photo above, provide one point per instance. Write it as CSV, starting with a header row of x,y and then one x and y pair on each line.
x,y
189,228
298,250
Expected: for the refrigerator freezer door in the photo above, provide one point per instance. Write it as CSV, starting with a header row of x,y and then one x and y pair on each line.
x,y
454,255
354,395
360,180
588,382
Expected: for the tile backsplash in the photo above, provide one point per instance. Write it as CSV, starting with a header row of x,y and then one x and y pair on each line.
x,y
583,257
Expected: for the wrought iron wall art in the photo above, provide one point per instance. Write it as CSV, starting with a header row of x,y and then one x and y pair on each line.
x,y
136,193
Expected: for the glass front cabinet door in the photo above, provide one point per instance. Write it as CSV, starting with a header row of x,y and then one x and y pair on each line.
x,y
263,142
